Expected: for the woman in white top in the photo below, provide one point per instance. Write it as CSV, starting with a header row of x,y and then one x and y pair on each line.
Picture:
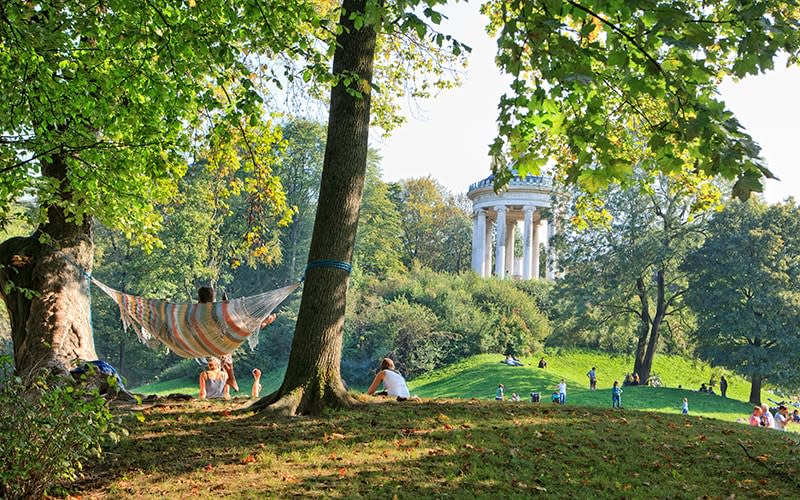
x,y
394,384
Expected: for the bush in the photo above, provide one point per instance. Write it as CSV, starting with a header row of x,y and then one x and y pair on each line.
x,y
48,429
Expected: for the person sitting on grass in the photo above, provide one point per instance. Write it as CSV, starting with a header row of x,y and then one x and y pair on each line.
x,y
213,381
394,384
755,418
511,361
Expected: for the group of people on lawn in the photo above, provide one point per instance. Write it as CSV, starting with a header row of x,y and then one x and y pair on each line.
x,y
762,417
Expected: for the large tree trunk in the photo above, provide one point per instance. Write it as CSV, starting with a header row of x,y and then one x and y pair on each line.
x,y
644,326
313,380
45,292
755,390
655,329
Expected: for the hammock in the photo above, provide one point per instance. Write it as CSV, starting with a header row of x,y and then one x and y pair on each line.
x,y
197,330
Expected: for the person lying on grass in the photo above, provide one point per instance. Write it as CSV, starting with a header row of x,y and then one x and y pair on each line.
x,y
394,384
213,381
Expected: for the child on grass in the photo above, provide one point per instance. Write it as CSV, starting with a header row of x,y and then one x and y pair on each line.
x,y
616,395
685,409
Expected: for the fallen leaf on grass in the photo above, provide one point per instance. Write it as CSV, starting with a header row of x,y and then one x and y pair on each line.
x,y
208,467
342,472
249,459
289,478
332,436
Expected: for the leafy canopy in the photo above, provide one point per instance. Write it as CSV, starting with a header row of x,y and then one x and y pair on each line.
x,y
599,86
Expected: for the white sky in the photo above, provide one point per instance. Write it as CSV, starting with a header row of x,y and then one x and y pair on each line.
x,y
450,142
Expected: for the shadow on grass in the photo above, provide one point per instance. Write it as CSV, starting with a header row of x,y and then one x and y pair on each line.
x,y
440,448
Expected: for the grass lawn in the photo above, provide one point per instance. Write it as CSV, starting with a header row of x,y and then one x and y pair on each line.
x,y
458,442
478,377
441,448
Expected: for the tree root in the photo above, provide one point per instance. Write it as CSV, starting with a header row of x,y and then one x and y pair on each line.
x,y
299,401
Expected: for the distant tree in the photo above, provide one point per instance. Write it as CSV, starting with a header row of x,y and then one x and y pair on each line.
x,y
300,168
623,263
744,287
378,244
436,226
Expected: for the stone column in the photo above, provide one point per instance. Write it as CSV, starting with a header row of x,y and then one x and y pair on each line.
x,y
487,252
551,255
500,244
510,234
535,251
527,229
478,245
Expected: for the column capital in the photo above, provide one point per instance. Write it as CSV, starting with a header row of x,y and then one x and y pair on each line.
x,y
501,208
479,212
529,209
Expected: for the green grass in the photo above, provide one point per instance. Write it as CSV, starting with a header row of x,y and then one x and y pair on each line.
x,y
440,448
478,377
270,382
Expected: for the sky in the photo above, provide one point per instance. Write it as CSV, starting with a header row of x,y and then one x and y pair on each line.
x,y
449,139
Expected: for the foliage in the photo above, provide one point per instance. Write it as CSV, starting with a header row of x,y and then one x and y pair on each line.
x,y
378,244
119,92
48,430
744,291
425,320
622,286
436,226
299,167
601,86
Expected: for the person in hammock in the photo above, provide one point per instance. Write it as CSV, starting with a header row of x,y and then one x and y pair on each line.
x,y
205,294
213,381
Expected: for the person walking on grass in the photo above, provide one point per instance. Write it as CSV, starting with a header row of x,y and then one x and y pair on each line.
x,y
685,409
592,374
562,392
616,395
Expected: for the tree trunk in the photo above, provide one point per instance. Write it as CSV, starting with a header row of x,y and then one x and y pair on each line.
x,y
655,329
755,390
644,326
45,292
313,380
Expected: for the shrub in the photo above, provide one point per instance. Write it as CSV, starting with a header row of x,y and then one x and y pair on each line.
x,y
48,429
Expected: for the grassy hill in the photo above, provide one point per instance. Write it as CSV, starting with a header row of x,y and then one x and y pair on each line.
x,y
471,446
440,448
478,377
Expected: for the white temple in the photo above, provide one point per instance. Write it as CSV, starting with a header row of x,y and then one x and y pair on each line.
x,y
522,200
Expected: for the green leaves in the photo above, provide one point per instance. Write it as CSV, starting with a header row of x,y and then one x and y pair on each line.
x,y
634,84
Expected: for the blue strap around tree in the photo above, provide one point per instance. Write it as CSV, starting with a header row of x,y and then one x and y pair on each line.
x,y
336,264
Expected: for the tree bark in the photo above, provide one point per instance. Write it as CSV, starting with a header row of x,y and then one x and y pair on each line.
x,y
313,380
655,329
644,325
44,290
755,390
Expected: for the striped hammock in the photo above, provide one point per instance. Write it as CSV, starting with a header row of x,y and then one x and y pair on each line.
x,y
197,330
